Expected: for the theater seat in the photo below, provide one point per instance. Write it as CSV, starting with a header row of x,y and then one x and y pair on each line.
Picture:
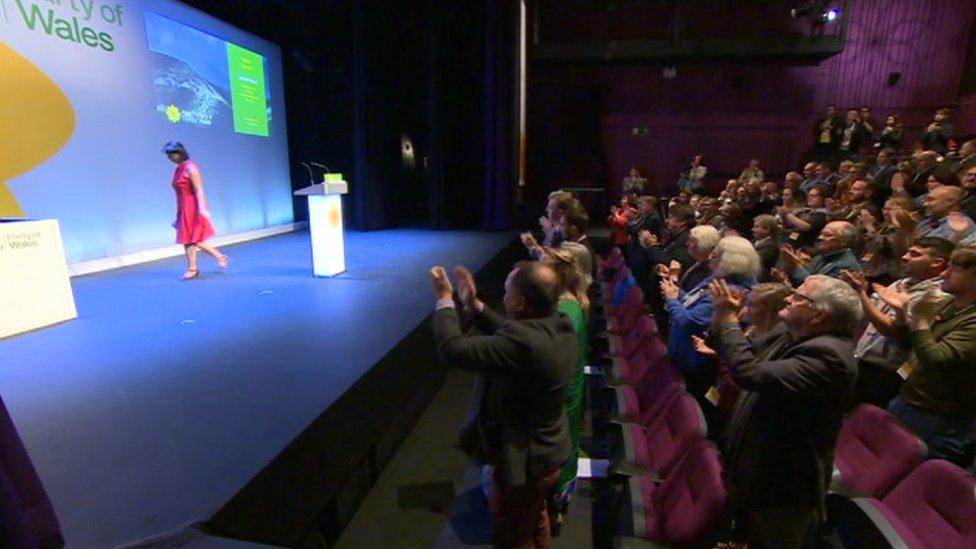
x,y
874,452
641,402
683,509
933,507
654,451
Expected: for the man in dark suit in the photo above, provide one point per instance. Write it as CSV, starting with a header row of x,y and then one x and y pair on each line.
x,y
784,429
528,361
882,175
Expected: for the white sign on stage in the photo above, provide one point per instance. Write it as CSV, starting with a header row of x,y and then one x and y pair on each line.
x,y
35,290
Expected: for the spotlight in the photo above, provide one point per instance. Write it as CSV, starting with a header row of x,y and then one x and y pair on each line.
x,y
830,15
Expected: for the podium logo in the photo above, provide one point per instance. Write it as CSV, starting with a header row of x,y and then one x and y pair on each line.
x,y
77,21
37,119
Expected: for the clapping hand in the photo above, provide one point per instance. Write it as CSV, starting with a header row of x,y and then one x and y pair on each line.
x,y
647,239
669,289
662,271
790,256
925,308
545,223
896,299
467,290
442,284
902,220
529,241
724,299
959,223
702,347
779,275
674,269
856,279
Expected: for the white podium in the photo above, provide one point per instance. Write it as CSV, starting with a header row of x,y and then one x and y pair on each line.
x,y
325,224
35,290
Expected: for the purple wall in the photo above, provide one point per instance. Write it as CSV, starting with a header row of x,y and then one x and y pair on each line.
x,y
734,112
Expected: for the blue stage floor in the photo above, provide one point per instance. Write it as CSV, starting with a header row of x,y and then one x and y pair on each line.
x,y
165,397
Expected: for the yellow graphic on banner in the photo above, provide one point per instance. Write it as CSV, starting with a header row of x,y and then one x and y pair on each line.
x,y
37,120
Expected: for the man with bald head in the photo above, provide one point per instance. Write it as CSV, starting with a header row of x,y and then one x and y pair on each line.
x,y
834,254
944,218
527,362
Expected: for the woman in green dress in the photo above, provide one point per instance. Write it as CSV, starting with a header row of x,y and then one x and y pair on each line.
x,y
575,304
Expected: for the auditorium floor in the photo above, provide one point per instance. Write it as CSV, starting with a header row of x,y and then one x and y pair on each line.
x,y
164,398
430,494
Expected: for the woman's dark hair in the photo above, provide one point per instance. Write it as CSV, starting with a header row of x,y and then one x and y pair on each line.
x,y
176,147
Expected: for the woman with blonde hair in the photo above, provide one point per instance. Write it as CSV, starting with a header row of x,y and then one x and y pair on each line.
x,y
733,260
573,303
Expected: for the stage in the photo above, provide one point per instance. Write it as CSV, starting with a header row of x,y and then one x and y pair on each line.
x,y
165,397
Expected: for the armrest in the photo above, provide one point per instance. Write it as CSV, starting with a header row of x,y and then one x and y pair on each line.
x,y
862,524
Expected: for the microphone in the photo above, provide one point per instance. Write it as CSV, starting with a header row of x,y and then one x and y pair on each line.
x,y
311,180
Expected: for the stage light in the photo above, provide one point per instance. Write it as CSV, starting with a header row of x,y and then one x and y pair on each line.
x,y
831,15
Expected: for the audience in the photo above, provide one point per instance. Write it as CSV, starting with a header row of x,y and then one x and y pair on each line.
x,y
781,440
520,427
878,353
634,183
733,261
834,254
574,304
891,242
938,398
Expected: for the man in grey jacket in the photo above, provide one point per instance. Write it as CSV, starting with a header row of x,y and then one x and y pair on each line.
x,y
834,254
785,426
528,361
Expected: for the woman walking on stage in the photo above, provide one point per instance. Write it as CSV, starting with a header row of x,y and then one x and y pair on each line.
x,y
192,223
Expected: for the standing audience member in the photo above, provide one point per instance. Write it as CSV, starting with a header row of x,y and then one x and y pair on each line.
x,y
882,174
647,220
634,183
938,400
781,439
701,242
890,137
528,361
834,254
574,304
752,171
765,234
804,224
879,354
618,219
882,245
735,262
691,179
938,133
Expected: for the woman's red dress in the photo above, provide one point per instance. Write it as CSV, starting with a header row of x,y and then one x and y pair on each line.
x,y
191,227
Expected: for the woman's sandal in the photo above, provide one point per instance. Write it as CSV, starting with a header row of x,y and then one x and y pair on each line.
x,y
190,274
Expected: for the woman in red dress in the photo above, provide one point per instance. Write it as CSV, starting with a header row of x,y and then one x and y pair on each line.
x,y
192,223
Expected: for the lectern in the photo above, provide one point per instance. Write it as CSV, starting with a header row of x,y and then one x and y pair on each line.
x,y
35,290
325,224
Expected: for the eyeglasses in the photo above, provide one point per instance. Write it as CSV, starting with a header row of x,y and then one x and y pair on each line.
x,y
804,297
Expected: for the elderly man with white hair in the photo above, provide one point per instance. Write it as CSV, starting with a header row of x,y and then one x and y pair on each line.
x,y
834,254
784,428
734,261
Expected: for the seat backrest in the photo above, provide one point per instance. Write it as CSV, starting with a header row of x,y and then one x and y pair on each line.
x,y
655,393
691,499
630,309
874,452
672,431
937,501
